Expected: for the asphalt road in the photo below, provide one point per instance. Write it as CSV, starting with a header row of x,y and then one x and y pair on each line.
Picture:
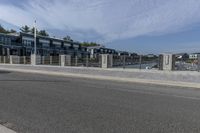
x,y
32,103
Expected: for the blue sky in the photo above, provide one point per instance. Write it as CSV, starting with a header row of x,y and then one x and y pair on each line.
x,y
143,26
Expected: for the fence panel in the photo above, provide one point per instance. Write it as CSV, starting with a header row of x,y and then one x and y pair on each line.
x,y
186,64
118,61
5,59
135,62
49,60
27,59
95,62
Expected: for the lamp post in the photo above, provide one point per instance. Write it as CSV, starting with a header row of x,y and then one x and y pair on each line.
x,y
35,35
33,55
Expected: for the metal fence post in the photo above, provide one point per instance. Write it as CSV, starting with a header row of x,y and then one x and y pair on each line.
x,y
4,59
59,60
198,63
76,61
43,60
140,61
100,60
87,61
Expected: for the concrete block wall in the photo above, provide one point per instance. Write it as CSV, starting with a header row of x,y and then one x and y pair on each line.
x,y
167,62
107,61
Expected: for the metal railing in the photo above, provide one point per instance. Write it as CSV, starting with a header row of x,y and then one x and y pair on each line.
x,y
117,61
5,59
186,64
86,62
137,62
69,61
15,59
48,60
123,61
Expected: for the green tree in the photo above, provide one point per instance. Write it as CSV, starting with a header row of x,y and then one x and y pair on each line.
x,y
25,29
89,44
2,30
12,31
67,38
33,30
43,33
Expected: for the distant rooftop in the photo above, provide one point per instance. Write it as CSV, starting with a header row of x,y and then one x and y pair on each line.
x,y
92,47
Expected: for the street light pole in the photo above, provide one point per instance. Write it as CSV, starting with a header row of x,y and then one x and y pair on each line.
x,y
34,53
35,35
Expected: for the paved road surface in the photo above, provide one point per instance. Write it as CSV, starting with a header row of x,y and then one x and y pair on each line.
x,y
32,103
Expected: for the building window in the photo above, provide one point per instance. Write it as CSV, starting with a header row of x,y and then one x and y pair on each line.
x,y
1,39
75,48
27,43
7,41
46,45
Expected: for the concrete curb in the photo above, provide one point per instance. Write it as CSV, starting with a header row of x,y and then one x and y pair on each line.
x,y
5,130
195,73
99,77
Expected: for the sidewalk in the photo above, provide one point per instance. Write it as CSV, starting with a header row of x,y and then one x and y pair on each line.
x,y
174,78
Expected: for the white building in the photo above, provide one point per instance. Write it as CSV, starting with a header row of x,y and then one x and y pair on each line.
x,y
193,56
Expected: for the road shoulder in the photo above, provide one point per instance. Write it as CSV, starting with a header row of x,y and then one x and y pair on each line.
x,y
112,78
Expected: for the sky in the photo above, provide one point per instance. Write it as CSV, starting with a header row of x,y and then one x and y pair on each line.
x,y
142,26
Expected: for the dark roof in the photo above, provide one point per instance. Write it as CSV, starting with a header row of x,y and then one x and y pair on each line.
x,y
52,38
10,34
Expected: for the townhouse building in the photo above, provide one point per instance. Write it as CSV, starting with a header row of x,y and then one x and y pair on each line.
x,y
194,56
22,44
95,51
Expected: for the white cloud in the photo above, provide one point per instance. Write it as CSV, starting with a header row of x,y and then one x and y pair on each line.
x,y
110,19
